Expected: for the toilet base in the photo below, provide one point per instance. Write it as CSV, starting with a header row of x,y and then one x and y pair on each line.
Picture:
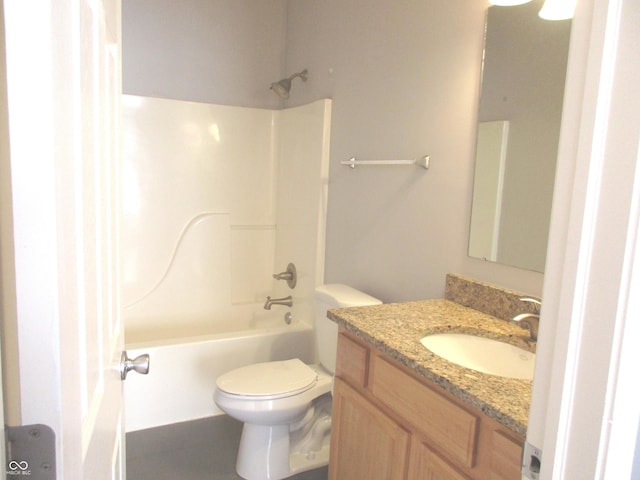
x,y
274,452
274,462
263,452
312,451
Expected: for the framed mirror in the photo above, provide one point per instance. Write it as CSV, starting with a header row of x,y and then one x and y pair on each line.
x,y
523,77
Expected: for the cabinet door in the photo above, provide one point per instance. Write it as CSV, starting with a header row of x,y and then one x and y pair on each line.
x,y
453,428
506,456
365,443
427,465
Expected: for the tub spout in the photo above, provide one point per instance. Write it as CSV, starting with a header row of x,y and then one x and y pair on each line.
x,y
287,301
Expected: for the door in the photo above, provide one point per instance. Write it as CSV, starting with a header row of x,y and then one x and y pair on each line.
x,y
585,407
63,95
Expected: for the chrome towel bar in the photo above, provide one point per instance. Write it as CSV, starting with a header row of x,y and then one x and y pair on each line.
x,y
422,162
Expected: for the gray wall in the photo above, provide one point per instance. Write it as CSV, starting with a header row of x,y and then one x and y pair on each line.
x,y
404,78
214,51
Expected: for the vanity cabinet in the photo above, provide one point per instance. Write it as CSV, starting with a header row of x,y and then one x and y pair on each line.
x,y
391,424
372,445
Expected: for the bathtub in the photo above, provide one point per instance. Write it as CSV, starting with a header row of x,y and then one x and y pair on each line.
x,y
184,367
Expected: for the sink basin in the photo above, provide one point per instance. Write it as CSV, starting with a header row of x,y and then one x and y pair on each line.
x,y
482,354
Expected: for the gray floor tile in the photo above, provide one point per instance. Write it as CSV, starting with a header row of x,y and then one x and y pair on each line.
x,y
196,450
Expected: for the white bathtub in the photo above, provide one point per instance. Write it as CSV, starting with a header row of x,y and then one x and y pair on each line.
x,y
184,368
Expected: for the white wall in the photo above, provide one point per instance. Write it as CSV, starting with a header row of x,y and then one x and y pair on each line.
x,y
182,160
404,78
217,199
303,174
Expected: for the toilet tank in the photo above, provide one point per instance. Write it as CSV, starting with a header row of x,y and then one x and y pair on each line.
x,y
334,296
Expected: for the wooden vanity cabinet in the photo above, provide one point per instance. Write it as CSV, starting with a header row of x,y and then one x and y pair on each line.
x,y
372,445
391,424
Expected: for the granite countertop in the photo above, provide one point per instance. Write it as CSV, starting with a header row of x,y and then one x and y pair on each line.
x,y
396,329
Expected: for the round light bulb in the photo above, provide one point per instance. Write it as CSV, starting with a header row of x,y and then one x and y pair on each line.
x,y
557,9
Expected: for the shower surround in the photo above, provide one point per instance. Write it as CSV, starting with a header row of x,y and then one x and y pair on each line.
x,y
216,200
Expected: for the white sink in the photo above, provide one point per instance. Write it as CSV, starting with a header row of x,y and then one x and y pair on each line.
x,y
482,354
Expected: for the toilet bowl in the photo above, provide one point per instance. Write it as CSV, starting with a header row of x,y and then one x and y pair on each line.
x,y
286,405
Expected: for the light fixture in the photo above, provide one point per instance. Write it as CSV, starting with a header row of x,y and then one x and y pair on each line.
x,y
508,3
557,9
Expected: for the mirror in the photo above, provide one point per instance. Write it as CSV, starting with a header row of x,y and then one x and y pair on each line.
x,y
523,76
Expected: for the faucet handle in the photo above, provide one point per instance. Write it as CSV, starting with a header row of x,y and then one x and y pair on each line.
x,y
290,275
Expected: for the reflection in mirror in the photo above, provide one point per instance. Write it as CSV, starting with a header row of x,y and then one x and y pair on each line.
x,y
523,78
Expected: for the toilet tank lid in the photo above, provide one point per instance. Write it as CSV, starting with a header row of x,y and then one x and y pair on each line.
x,y
340,295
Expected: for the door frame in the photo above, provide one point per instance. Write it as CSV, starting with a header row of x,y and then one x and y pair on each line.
x,y
581,414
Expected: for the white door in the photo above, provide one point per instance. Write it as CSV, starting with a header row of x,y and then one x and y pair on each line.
x,y
63,92
585,409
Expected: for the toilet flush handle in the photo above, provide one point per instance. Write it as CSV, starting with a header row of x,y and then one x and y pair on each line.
x,y
140,364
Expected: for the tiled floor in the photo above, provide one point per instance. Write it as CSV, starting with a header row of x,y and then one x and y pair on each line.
x,y
198,450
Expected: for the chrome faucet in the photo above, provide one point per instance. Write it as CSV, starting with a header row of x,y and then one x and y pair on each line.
x,y
287,301
530,320
290,275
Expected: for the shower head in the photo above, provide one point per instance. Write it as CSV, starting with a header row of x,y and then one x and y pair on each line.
x,y
283,86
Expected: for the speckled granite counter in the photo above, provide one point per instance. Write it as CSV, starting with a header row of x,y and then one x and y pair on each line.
x,y
396,329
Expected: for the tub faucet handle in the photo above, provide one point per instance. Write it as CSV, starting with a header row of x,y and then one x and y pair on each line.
x,y
290,275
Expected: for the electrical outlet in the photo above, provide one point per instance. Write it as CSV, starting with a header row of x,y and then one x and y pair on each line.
x,y
531,460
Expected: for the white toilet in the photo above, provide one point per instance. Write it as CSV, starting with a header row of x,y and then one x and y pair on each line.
x,y
286,406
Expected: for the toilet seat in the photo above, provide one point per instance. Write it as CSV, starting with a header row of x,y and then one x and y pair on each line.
x,y
267,381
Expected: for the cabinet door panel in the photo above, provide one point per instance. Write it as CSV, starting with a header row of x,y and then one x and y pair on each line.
x,y
353,361
365,443
427,465
506,455
438,419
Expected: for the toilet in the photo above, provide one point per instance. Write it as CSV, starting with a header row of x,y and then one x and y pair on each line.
x,y
286,405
